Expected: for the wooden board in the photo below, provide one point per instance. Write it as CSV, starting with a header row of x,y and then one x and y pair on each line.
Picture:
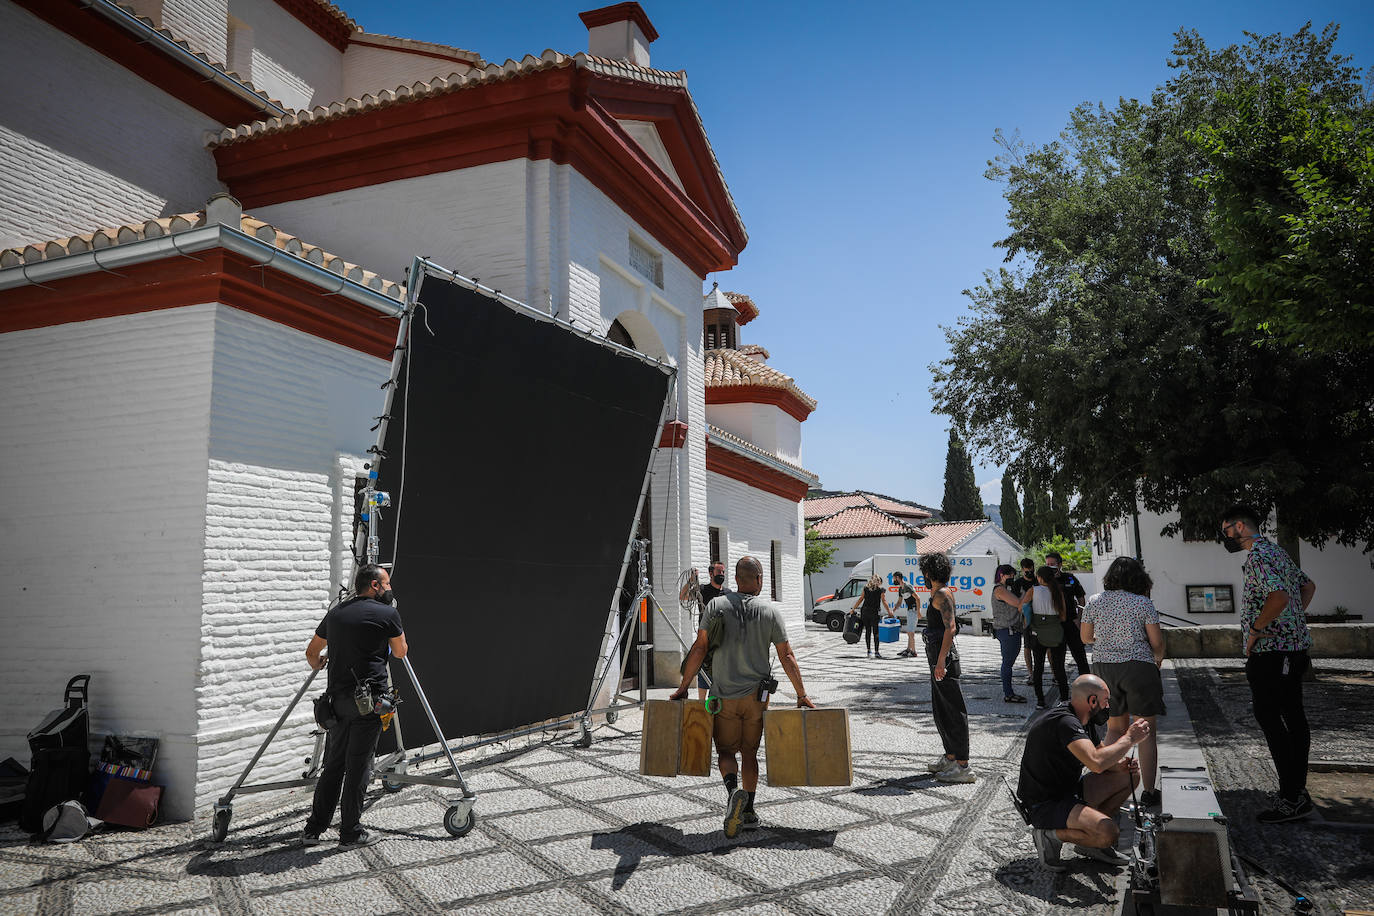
x,y
660,739
808,747
695,755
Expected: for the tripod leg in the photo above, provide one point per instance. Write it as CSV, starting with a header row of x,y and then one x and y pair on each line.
x,y
270,735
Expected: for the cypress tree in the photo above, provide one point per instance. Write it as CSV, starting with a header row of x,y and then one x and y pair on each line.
x,y
962,499
1011,510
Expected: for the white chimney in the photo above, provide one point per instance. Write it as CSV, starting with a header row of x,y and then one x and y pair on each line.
x,y
619,32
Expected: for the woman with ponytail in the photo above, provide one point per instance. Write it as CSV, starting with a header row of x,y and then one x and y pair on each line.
x,y
1047,610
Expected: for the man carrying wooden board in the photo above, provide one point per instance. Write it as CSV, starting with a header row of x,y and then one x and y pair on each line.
x,y
742,677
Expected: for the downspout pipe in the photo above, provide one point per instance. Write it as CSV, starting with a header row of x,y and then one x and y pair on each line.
x,y
131,23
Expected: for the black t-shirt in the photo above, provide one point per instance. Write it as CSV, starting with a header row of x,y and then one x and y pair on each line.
x,y
1049,770
873,600
358,632
709,593
1020,585
1074,596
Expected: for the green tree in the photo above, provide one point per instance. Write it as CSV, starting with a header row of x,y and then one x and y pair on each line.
x,y
1291,176
962,499
819,553
1059,514
1100,336
1010,509
1075,557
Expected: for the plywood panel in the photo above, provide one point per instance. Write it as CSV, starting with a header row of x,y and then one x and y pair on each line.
x,y
695,754
660,739
808,747
784,744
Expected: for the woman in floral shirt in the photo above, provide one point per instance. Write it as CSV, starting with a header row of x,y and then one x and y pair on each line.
x,y
1123,627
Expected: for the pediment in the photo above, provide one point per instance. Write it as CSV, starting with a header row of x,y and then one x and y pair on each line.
x,y
647,136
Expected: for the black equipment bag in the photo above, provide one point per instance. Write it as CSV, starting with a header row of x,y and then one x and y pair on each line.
x,y
68,726
853,626
57,775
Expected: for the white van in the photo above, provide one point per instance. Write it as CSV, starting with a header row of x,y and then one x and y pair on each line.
x,y
970,579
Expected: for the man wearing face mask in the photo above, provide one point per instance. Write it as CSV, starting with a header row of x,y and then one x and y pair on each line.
x,y
1065,805
709,592
359,634
1274,617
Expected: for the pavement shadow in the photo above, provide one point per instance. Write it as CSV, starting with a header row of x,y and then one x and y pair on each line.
x,y
899,785
1086,884
637,842
272,856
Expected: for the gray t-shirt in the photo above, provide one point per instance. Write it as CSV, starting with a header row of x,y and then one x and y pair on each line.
x,y
742,659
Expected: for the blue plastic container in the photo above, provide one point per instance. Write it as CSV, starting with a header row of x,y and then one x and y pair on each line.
x,y
889,629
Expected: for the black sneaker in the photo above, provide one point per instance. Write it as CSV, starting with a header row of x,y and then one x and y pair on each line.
x,y
749,821
359,840
1285,811
1047,847
1040,704
311,837
734,813
1150,798
1109,855
877,654
1013,698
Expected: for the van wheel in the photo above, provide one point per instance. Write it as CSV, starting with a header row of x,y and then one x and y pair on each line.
x,y
834,623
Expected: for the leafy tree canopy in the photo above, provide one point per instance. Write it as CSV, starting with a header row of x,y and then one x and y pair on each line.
x,y
819,553
1098,334
1075,557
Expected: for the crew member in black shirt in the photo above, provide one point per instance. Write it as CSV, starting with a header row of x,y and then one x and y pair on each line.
x,y
1019,586
359,633
1065,805
1075,598
709,592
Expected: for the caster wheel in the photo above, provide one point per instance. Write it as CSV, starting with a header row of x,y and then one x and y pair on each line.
x,y
220,829
391,785
584,739
456,824
611,717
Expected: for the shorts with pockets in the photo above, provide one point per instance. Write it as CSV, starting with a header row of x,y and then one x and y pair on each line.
x,y
1136,687
738,726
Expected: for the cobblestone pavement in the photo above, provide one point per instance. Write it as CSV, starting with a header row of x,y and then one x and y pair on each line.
x,y
1330,862
568,830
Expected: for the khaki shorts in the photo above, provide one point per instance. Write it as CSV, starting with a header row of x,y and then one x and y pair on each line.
x,y
738,726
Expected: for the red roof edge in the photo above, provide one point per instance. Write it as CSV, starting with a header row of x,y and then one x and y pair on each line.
x,y
620,12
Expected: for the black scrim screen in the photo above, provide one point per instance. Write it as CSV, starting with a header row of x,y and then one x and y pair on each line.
x,y
523,448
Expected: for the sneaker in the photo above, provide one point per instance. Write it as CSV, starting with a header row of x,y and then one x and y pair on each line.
x,y
359,840
939,763
905,653
868,655
734,813
1284,811
1047,847
1040,703
877,655
956,774
1030,682
1150,798
1013,698
1111,856
311,837
749,821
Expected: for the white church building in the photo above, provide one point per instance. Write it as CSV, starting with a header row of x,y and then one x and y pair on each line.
x,y
208,210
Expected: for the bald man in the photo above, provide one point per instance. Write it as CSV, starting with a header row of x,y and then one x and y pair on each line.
x,y
1065,805
738,665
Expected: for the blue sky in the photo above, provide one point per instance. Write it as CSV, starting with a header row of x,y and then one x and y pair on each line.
x,y
854,138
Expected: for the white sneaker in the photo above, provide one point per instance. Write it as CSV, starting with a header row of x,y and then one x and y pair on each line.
x,y
939,764
956,774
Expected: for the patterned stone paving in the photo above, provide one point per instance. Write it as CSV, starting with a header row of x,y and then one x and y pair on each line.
x,y
567,830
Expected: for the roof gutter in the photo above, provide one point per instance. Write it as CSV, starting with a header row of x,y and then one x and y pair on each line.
x,y
187,244
762,459
149,35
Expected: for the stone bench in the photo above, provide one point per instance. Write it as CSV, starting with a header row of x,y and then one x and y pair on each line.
x,y
1329,640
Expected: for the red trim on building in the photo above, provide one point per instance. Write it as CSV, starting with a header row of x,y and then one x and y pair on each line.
x,y
621,12
320,21
674,434
730,464
782,398
416,51
554,114
212,276
145,60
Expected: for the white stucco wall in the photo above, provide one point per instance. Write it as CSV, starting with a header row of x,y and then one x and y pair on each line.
x,y
103,535
369,70
750,520
290,62
284,406
87,144
765,425
990,539
1343,574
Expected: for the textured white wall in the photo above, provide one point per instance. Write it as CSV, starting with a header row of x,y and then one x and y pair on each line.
x,y
114,152
751,519
291,63
102,539
284,405
369,70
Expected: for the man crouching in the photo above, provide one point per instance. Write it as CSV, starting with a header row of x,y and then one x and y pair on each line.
x,y
739,666
1064,805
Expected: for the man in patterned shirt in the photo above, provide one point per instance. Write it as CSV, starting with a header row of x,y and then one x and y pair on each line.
x,y
1276,595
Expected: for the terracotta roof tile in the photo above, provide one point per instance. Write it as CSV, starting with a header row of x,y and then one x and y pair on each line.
x,y
726,367
755,351
170,225
945,536
863,521
338,14
748,311
820,506
413,44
